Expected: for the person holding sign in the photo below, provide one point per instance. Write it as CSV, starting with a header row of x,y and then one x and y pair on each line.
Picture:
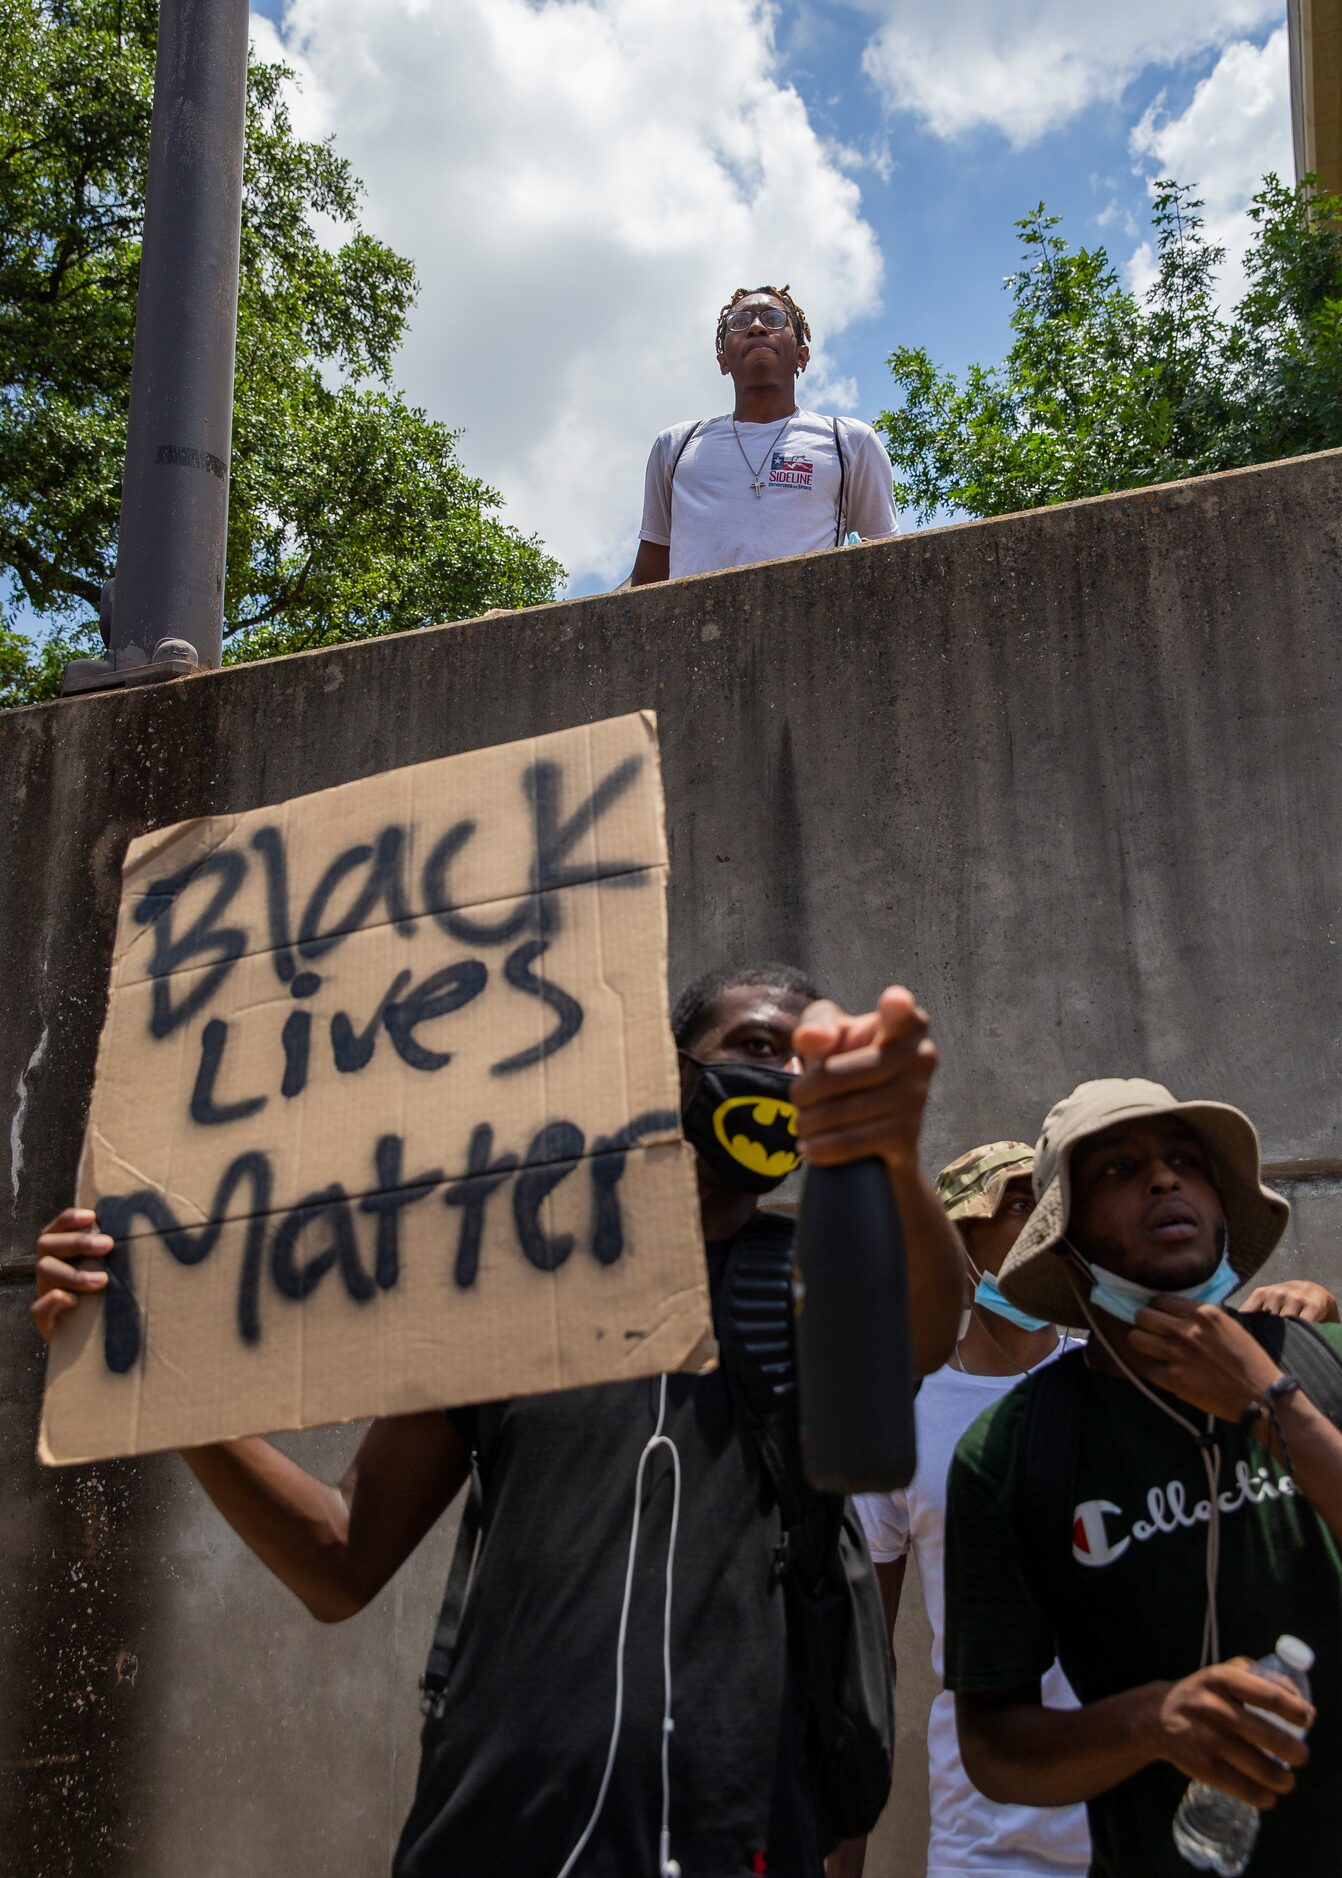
x,y
613,1702
766,479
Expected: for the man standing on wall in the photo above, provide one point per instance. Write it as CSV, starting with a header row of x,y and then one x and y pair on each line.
x,y
533,1765
766,480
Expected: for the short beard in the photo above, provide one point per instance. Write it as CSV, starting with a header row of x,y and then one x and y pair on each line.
x,y
1109,1253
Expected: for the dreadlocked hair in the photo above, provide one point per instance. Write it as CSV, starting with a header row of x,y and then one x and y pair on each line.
x,y
799,325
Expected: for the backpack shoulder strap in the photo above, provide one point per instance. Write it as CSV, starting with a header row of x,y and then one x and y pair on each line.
x,y
437,1670
675,461
1304,1354
755,1337
843,479
1049,1460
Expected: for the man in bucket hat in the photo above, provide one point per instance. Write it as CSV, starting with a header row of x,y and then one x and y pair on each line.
x,y
1157,1508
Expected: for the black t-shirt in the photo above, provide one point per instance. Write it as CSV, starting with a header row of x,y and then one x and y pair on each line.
x,y
1137,1598
511,1770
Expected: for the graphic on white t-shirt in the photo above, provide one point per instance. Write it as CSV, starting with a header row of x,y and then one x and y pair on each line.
x,y
790,472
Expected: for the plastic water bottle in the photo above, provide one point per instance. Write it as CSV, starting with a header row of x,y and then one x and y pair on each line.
x,y
854,1347
1212,1831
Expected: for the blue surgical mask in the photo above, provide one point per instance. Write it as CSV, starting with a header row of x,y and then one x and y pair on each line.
x,y
1123,1299
988,1293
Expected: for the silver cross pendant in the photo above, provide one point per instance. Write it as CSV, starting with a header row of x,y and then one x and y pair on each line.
x,y
757,486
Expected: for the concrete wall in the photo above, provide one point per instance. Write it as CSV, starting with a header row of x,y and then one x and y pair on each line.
x,y
1073,774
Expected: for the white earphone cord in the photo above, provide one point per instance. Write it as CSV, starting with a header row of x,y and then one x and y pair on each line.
x,y
667,1865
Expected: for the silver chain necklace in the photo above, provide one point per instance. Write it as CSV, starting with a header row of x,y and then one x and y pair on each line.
x,y
960,1361
755,468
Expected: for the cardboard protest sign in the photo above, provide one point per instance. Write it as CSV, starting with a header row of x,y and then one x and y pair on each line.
x,y
386,1114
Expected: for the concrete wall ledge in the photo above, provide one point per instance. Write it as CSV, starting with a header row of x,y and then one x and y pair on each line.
x,y
1072,774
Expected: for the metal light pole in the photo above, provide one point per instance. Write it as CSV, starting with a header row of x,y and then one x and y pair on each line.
x,y
163,613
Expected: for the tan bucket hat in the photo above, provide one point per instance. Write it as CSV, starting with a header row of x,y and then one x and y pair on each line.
x,y
1035,1273
971,1186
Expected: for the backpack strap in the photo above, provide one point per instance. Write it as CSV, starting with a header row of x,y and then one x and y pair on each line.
x,y
758,1355
675,462
843,480
1303,1353
437,1670
1050,1460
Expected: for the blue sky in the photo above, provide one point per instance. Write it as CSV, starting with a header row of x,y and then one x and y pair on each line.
x,y
580,183
622,165
946,214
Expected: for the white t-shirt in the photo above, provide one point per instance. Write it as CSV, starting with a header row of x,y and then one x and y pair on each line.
x,y
970,1834
711,517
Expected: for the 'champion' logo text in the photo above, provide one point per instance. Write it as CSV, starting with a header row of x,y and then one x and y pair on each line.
x,y
1168,1510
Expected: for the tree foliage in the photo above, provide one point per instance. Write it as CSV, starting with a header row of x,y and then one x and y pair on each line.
x,y
1103,389
350,514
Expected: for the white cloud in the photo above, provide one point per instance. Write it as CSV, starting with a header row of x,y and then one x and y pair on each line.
x,y
1236,128
1025,67
580,184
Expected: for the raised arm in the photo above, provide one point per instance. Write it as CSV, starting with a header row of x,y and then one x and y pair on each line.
x,y
334,1547
862,1094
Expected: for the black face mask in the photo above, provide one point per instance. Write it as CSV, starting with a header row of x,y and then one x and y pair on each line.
x,y
740,1121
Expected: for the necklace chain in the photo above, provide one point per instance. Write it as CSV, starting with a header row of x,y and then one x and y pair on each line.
x,y
960,1361
755,468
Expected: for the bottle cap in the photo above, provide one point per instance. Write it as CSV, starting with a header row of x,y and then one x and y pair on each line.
x,y
1295,1654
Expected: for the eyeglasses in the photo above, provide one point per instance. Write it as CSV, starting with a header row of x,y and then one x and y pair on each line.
x,y
771,317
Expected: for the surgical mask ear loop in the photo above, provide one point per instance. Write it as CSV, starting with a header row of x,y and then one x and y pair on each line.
x,y
979,1315
668,1866
1208,1447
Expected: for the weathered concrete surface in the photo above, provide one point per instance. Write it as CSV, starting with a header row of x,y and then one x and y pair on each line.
x,y
1073,774
166,1706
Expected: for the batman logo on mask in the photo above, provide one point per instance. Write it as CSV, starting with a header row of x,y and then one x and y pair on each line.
x,y
741,1124
760,1132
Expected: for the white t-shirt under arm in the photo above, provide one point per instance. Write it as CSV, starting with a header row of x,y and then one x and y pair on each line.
x,y
972,1837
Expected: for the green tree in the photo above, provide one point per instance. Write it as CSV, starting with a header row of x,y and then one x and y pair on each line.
x,y
1104,390
350,514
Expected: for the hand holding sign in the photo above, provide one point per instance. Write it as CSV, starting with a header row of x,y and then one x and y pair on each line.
x,y
386,1105
73,1234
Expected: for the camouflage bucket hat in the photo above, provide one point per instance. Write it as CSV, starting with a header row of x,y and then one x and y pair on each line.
x,y
971,1187
1036,1274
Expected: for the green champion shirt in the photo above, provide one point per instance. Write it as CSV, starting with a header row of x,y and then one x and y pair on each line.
x,y
1136,1586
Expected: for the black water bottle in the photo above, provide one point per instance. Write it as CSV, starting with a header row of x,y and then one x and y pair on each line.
x,y
854,1339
